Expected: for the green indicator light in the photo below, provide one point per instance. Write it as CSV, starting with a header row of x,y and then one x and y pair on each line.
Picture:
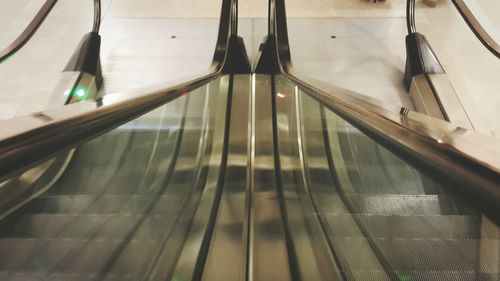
x,y
80,94
405,278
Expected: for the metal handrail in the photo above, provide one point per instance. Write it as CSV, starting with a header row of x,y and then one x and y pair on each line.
x,y
29,140
465,160
28,32
476,27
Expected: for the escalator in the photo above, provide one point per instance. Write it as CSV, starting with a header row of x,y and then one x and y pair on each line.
x,y
239,176
384,219
120,199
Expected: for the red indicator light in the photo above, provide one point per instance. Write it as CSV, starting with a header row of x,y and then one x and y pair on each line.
x,y
281,95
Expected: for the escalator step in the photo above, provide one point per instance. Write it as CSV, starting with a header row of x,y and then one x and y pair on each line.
x,y
390,204
42,226
102,204
28,276
377,275
394,227
75,256
428,255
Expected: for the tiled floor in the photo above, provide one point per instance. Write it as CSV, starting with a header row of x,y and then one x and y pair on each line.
x,y
143,52
366,56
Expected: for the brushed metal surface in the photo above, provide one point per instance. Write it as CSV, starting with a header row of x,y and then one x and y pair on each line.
x,y
423,98
227,257
433,94
268,249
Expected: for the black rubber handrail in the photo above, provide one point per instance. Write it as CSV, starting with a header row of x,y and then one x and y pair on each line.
x,y
28,140
410,16
97,16
37,21
475,26
468,162
28,32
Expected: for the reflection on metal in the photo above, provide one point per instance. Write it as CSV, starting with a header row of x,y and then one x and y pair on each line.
x,y
251,180
270,254
423,98
229,244
426,88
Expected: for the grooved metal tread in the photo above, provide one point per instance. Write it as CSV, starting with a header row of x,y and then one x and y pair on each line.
x,y
394,226
428,255
83,226
389,204
102,204
80,256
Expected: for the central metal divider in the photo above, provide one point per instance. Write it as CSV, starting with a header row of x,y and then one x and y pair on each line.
x,y
248,240
230,233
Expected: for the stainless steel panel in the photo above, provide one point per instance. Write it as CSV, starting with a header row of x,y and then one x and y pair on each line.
x,y
433,94
450,102
268,249
227,258
423,98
